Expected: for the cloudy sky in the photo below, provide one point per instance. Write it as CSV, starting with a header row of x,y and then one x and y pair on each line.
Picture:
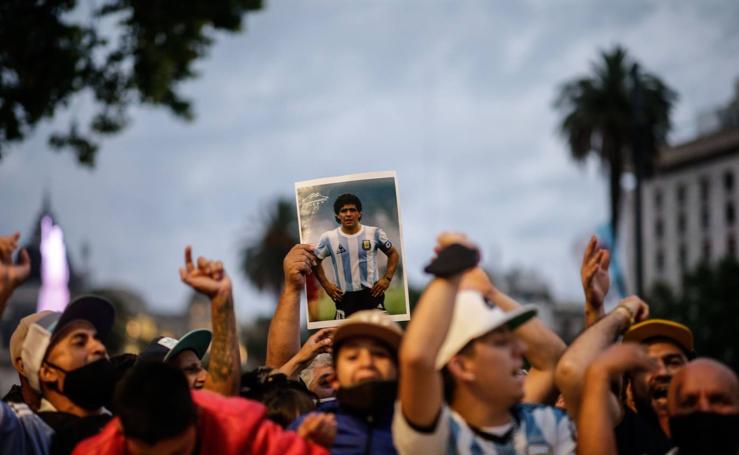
x,y
454,96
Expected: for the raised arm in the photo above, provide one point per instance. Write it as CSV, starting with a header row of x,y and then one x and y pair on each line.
x,y
210,279
12,274
283,340
595,422
544,346
570,372
595,280
319,342
420,387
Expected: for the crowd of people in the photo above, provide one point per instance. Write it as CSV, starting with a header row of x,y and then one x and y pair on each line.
x,y
473,372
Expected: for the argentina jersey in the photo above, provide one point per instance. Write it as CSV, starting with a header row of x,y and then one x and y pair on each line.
x,y
353,257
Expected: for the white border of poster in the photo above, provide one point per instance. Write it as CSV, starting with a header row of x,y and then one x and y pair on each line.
x,y
315,216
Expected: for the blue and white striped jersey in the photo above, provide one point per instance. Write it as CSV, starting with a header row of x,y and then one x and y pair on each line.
x,y
536,429
354,257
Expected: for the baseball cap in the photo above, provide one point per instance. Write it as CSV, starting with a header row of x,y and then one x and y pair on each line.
x,y
661,328
163,348
43,332
20,332
370,323
474,317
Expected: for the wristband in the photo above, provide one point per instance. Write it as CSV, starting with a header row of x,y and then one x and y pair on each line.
x,y
452,260
629,313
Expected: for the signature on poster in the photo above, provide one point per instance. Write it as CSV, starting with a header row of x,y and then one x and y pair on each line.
x,y
314,201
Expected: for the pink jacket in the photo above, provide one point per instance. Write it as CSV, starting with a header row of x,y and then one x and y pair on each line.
x,y
225,426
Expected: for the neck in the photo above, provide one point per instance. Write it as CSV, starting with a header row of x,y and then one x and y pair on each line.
x,y
64,404
476,412
30,396
351,230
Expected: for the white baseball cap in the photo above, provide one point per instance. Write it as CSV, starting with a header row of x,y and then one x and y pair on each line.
x,y
474,317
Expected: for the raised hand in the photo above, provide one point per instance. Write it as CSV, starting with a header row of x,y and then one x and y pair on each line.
x,y
297,264
208,277
319,428
12,274
595,279
638,309
317,343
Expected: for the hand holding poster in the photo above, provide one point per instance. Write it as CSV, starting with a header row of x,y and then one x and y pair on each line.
x,y
354,224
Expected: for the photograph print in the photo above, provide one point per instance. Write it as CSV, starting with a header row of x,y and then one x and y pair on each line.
x,y
353,222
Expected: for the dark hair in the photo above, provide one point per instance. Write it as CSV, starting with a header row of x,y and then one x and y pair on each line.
x,y
285,399
345,199
154,403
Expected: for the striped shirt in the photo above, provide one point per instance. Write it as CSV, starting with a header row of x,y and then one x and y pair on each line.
x,y
354,257
536,429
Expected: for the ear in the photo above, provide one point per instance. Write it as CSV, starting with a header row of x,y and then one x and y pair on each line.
x,y
19,366
334,381
46,374
461,368
337,219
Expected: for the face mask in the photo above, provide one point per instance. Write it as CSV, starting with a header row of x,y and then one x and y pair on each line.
x,y
90,386
705,433
369,398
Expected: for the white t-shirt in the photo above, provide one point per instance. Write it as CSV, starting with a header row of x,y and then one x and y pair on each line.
x,y
536,429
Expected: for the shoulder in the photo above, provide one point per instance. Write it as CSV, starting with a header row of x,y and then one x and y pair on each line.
x,y
410,439
109,441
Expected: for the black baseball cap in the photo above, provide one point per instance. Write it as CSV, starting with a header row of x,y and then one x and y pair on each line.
x,y
96,310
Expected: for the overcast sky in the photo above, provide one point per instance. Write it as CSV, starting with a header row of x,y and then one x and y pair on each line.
x,y
454,96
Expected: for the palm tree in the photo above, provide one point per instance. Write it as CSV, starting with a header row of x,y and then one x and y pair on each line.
x,y
609,111
262,254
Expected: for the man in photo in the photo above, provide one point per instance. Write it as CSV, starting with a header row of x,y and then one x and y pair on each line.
x,y
353,247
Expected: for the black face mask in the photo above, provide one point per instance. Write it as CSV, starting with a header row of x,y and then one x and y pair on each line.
x,y
369,398
90,386
705,433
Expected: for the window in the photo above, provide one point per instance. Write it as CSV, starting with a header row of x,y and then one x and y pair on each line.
x,y
681,223
681,194
705,217
730,215
706,250
660,261
705,188
659,228
683,255
657,198
729,180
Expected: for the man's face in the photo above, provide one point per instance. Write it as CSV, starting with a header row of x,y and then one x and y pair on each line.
x,y
650,388
321,382
704,388
493,370
349,215
363,359
189,363
182,444
79,345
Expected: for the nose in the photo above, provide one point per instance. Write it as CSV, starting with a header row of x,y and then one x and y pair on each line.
x,y
703,404
661,370
366,358
521,347
96,348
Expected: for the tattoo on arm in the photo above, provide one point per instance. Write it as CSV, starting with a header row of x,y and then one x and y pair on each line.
x,y
225,359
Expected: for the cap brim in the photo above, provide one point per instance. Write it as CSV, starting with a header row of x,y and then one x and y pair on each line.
x,y
369,330
520,316
197,340
661,328
96,310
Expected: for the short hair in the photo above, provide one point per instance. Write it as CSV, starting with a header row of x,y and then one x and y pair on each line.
x,y
321,360
286,403
345,199
153,402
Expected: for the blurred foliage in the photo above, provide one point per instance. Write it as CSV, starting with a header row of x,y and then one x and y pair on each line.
x,y
708,303
598,117
49,52
264,249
